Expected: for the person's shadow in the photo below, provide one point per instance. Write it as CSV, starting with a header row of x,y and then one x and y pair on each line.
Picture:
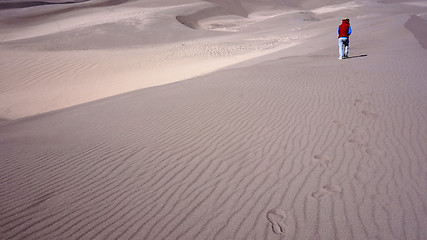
x,y
363,55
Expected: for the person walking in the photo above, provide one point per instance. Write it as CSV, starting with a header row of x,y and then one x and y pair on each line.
x,y
344,32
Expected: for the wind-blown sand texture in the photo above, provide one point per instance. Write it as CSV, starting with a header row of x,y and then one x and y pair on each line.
x,y
212,120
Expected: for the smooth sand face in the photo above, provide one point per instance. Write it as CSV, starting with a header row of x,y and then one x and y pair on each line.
x,y
212,120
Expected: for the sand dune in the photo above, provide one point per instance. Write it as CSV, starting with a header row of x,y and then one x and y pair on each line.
x,y
99,53
269,137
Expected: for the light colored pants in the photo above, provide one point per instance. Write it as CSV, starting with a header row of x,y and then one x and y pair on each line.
x,y
343,45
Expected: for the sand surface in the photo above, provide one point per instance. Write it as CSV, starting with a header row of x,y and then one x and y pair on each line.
x,y
212,119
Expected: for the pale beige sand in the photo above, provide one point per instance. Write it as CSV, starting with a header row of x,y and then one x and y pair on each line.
x,y
287,143
73,57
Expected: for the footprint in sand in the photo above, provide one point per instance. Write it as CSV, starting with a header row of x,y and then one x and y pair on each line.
x,y
339,124
323,160
277,219
359,136
360,102
327,191
375,152
357,141
361,177
369,114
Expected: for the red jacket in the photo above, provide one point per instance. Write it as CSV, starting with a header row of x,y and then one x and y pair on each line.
x,y
343,29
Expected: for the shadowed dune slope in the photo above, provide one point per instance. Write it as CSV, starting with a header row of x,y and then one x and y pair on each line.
x,y
418,27
27,4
